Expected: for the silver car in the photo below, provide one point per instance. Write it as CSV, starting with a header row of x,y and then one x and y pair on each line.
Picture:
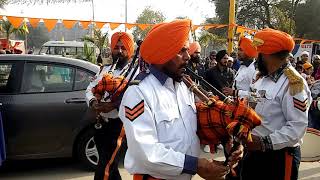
x,y
43,107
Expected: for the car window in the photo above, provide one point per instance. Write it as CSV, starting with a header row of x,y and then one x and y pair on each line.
x,y
82,79
9,78
40,78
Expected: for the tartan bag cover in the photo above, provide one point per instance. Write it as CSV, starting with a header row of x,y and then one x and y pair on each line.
x,y
217,121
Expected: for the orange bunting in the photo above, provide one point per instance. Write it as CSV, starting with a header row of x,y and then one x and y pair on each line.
x,y
15,21
114,25
195,27
68,23
50,23
85,24
143,26
99,25
130,26
207,27
34,22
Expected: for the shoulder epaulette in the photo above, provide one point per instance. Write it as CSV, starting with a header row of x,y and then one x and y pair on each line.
x,y
139,78
295,81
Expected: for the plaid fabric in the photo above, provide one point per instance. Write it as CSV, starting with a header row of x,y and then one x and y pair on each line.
x,y
217,122
109,84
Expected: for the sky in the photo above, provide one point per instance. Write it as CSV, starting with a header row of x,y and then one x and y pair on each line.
x,y
114,11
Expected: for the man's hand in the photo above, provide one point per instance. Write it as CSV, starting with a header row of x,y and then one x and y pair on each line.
x,y
227,91
255,145
211,170
104,107
235,157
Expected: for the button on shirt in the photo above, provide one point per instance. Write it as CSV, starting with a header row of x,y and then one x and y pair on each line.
x,y
243,80
164,134
284,117
89,95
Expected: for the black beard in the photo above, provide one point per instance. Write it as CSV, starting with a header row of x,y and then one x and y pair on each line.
x,y
261,66
122,61
195,59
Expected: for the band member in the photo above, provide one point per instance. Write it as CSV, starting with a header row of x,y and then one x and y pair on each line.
x,y
247,71
159,113
195,59
284,101
122,48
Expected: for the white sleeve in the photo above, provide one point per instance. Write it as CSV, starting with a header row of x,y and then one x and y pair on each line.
x,y
295,110
142,138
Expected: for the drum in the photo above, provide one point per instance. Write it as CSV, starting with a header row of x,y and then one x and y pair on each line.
x,y
315,89
310,149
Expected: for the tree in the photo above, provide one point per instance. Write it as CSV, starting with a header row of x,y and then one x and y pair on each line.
x,y
148,16
259,14
307,19
2,3
7,30
37,36
99,39
207,39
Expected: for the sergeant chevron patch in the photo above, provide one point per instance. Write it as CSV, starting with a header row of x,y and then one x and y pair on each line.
x,y
136,111
301,105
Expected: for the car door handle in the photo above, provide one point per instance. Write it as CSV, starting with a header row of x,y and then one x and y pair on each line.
x,y
75,101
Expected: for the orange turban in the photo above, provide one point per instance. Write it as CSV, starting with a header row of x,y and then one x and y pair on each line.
x,y
164,41
307,66
126,39
194,47
247,47
270,41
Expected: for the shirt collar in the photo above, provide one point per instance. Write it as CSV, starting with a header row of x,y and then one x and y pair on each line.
x,y
162,78
247,62
277,74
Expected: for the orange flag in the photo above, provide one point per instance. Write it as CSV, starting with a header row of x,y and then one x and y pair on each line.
x,y
15,21
143,26
100,24
68,23
195,27
50,23
130,26
114,25
85,24
34,22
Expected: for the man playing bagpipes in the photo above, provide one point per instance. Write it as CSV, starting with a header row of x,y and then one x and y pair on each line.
x,y
283,100
102,96
160,116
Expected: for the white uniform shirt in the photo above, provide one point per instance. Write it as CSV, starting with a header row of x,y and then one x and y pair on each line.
x,y
160,122
89,95
243,80
284,117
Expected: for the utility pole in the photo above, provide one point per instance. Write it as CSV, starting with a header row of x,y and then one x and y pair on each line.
x,y
232,9
126,14
92,25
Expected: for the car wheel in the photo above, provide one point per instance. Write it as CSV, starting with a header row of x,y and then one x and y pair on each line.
x,y
87,151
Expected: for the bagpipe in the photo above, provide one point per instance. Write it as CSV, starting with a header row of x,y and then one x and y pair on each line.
x,y
221,118
113,85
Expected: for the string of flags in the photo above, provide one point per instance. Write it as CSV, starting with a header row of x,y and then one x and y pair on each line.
x,y
50,24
